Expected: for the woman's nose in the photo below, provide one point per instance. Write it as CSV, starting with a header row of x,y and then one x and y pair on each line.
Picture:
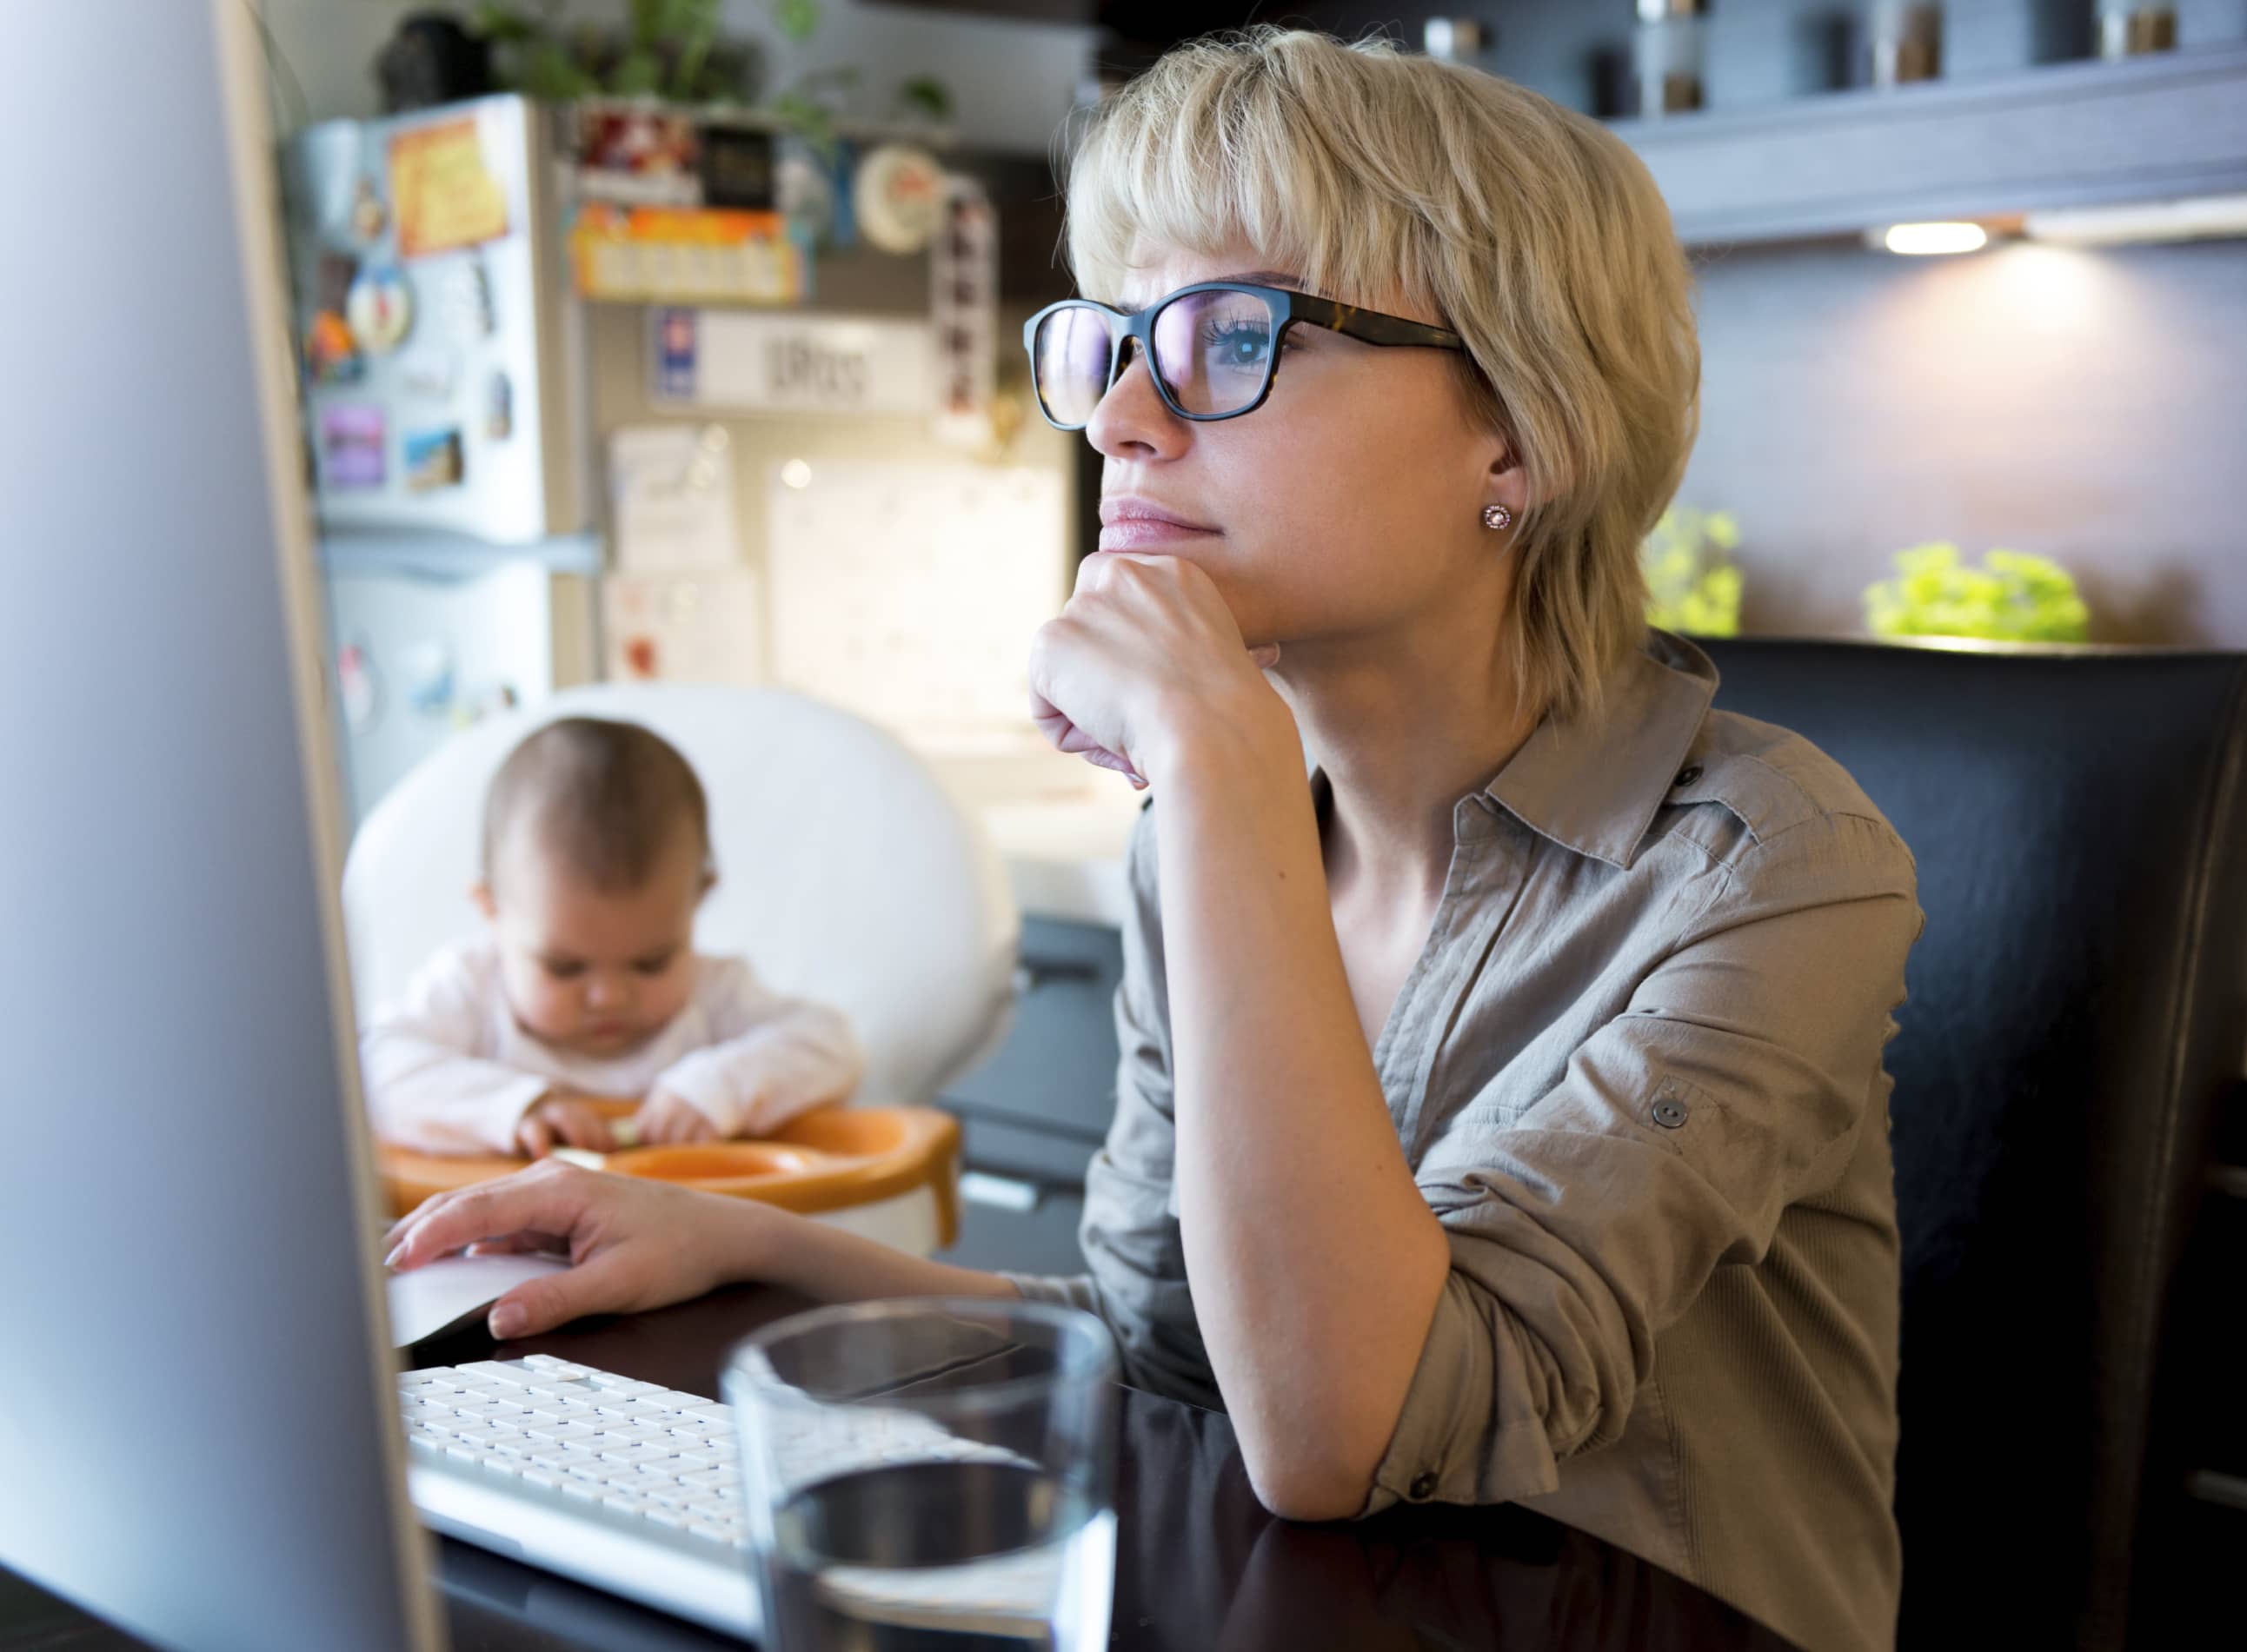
x,y
1131,420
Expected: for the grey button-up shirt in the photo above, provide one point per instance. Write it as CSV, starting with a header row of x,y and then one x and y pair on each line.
x,y
1636,1070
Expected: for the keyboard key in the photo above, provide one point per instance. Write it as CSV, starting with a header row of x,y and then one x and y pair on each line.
x,y
616,1384
560,1433
657,1514
584,1491
497,1371
553,1367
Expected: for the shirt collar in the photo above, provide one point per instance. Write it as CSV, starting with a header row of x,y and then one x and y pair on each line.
x,y
1592,784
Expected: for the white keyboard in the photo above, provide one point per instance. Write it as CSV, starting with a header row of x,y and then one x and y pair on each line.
x,y
623,1484
635,1489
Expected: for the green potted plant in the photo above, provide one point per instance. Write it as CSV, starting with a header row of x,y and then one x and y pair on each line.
x,y
2012,597
1692,584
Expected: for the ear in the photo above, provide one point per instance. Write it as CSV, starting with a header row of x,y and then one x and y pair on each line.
x,y
1507,480
481,893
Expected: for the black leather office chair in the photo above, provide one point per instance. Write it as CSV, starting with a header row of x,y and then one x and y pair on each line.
x,y
2078,1010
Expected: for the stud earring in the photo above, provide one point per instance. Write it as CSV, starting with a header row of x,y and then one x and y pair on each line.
x,y
1497,518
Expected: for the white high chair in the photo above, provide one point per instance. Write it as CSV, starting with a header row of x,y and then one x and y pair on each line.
x,y
845,874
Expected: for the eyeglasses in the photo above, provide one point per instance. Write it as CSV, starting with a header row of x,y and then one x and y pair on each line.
x,y
1213,347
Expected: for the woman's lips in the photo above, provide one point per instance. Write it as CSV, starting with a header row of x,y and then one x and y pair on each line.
x,y
1137,524
1146,533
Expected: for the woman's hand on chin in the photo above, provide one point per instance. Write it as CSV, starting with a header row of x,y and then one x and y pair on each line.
x,y
1143,653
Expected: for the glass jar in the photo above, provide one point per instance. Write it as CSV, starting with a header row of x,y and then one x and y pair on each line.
x,y
2128,29
1669,53
1907,42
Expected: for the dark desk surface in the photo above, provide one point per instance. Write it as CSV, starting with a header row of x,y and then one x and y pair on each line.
x,y
1199,1564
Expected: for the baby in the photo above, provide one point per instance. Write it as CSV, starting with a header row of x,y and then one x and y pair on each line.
x,y
586,985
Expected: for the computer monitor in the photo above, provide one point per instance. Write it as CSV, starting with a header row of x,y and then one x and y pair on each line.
x,y
198,1437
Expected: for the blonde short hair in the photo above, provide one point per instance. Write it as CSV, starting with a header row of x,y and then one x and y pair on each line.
x,y
1531,231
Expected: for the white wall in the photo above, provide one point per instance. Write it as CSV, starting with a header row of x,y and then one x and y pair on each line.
x,y
1011,82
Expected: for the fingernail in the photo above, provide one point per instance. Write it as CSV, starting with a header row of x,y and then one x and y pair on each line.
x,y
391,1260
506,1320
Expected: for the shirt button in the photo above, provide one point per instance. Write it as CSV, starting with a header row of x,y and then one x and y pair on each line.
x,y
1686,776
1669,1112
1422,1488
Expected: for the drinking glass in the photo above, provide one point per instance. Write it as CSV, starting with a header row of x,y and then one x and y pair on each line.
x,y
929,1474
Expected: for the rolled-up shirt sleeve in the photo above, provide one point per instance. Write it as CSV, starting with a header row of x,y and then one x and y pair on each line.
x,y
1735,1083
1129,1235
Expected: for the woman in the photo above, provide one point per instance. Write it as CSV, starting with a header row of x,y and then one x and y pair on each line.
x,y
1510,1092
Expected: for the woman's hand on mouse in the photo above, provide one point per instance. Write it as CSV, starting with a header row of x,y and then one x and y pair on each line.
x,y
633,1244
1145,645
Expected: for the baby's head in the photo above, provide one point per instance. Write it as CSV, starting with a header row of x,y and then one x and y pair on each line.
x,y
596,854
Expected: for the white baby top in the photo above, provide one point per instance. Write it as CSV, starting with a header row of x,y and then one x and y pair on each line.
x,y
449,1070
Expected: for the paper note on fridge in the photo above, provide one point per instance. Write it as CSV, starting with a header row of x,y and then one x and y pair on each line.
x,y
671,486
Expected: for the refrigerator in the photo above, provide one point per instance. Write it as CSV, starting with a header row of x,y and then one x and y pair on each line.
x,y
446,422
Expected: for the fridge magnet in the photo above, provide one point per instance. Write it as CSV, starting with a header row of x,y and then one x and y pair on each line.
x,y
358,688
332,283
379,309
674,355
369,217
467,301
442,193
350,447
667,254
499,406
637,158
737,169
330,353
432,459
898,197
431,374
815,193
427,670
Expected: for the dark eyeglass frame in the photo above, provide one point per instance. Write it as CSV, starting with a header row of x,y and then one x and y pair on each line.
x,y
1286,309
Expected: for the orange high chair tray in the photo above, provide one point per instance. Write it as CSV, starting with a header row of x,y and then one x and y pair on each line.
x,y
829,1159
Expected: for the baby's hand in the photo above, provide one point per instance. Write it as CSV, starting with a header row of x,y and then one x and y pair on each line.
x,y
563,1118
665,1120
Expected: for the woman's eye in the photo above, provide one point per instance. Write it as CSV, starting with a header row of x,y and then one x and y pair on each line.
x,y
1244,345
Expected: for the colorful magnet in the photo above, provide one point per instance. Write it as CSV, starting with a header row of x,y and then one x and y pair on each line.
x,y
358,688
737,168
433,459
369,217
380,308
499,406
350,447
427,670
674,355
898,196
446,197
330,353
331,285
